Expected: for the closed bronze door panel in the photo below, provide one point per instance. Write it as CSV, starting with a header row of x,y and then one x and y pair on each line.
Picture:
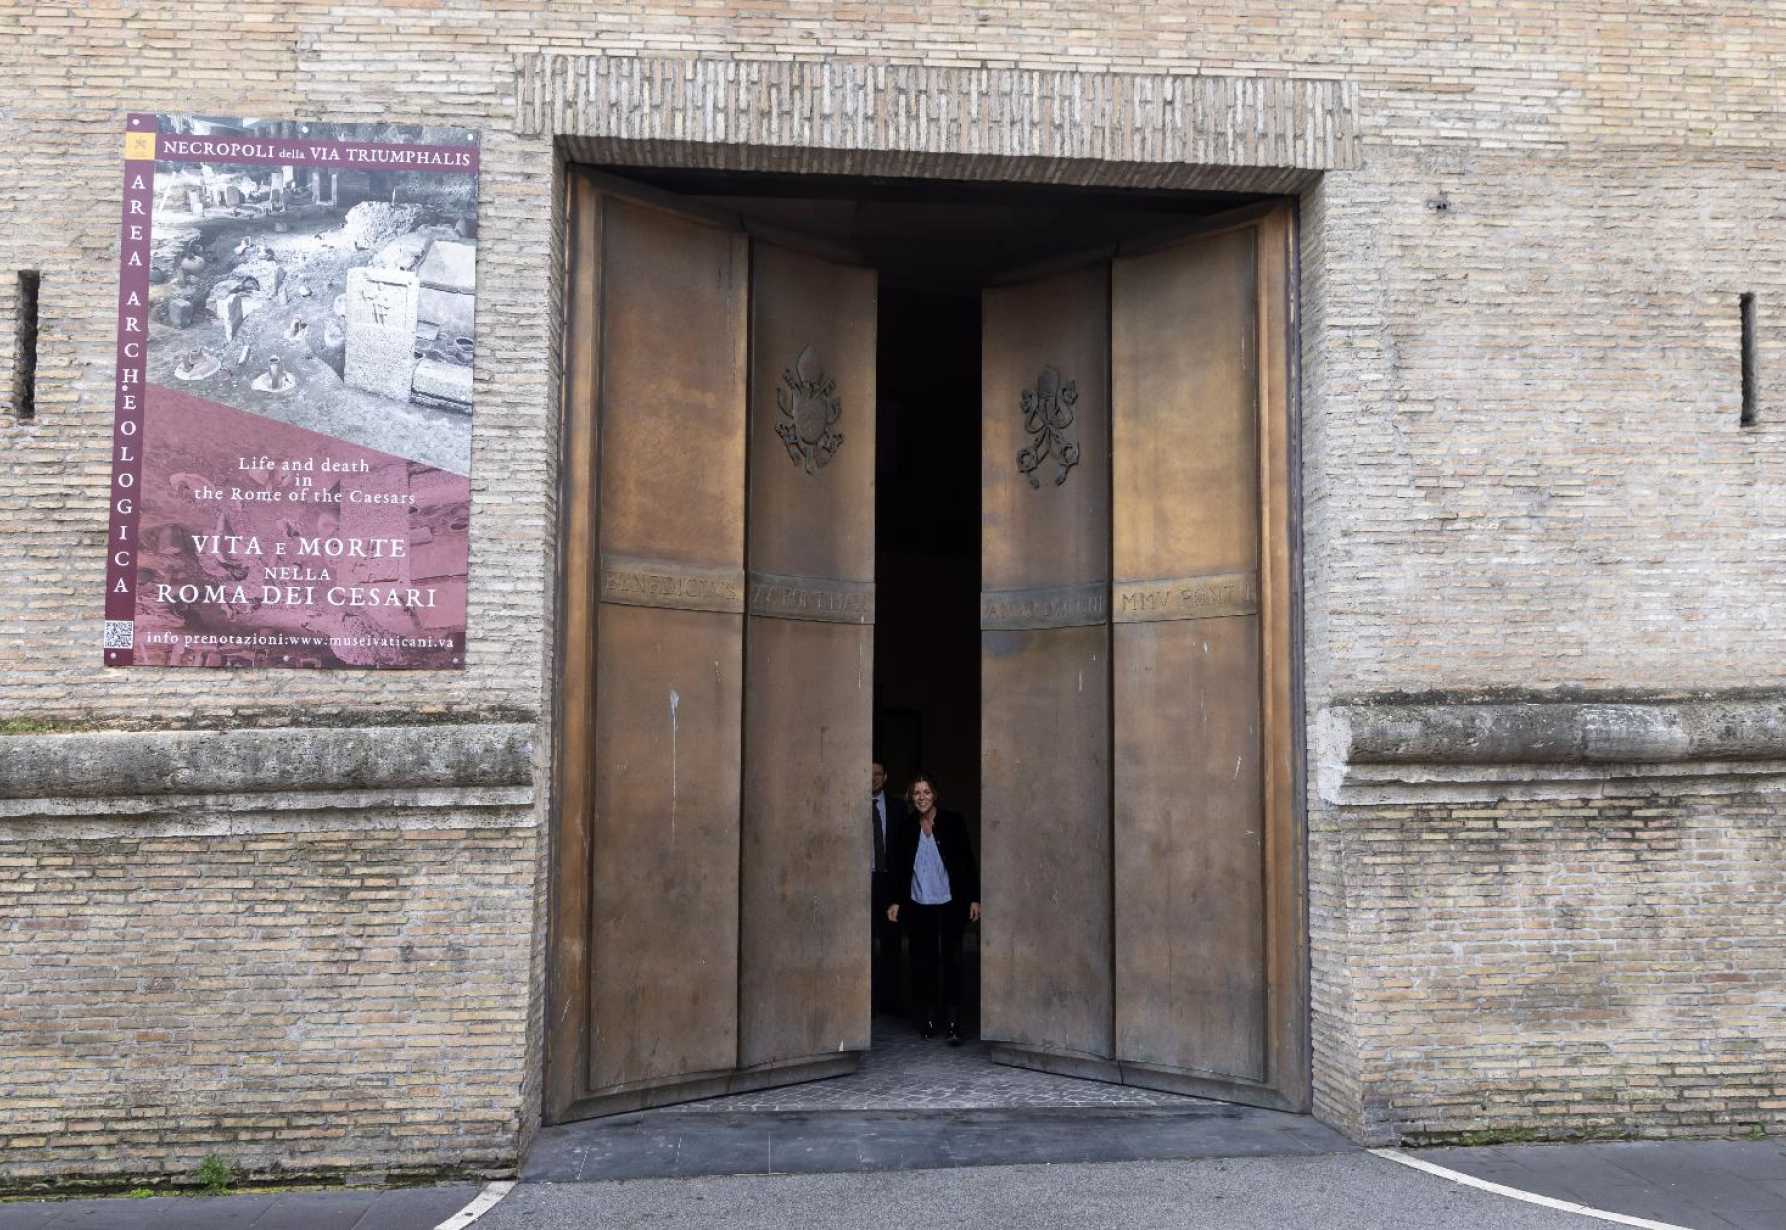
x,y
807,849
1044,667
1186,431
665,962
812,411
1190,969
669,650
1045,488
1191,965
1045,980
672,387
804,944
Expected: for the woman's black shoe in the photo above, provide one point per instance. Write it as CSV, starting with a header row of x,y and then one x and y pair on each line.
x,y
929,1030
954,1034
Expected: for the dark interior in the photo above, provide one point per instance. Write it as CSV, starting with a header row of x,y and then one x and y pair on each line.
x,y
940,236
927,543
927,556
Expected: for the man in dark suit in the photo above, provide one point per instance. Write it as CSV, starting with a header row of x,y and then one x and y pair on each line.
x,y
887,818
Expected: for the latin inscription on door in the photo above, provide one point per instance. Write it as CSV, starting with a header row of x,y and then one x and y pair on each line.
x,y
1058,606
1206,597
678,587
822,599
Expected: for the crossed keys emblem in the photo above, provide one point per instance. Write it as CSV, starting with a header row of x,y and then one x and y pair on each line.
x,y
1047,414
809,406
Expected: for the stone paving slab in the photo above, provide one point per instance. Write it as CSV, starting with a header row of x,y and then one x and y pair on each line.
x,y
1705,1185
916,1104
673,1144
405,1208
903,1071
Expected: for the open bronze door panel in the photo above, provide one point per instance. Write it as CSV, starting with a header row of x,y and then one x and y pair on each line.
x,y
1045,981
809,672
1144,908
670,830
1210,984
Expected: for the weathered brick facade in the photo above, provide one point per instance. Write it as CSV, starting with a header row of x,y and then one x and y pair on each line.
x,y
1606,966
1583,943
200,959
1522,472
302,1002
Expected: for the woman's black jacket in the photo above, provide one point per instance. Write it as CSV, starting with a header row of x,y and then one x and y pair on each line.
x,y
952,844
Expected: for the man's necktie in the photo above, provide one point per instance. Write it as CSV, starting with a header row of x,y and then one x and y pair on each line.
x,y
880,837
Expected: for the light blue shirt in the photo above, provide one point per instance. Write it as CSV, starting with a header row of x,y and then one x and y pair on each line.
x,y
930,879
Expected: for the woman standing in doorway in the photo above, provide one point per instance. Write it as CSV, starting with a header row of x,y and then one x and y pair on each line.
x,y
939,894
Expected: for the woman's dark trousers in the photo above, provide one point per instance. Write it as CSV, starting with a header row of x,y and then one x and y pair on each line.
x,y
935,932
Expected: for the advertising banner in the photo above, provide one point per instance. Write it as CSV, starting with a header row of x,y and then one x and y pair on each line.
x,y
291,450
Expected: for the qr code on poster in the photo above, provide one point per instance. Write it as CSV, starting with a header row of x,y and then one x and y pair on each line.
x,y
120,633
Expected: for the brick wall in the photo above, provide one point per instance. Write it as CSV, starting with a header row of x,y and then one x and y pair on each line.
x,y
297,1003
1612,965
1614,187
1521,464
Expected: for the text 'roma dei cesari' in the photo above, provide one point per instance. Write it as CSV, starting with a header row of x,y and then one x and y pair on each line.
x,y
292,428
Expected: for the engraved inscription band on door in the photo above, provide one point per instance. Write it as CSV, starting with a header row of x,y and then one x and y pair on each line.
x,y
1051,606
1212,596
632,581
818,599
668,585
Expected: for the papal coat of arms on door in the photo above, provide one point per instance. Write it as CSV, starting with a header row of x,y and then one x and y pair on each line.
x,y
809,408
1047,416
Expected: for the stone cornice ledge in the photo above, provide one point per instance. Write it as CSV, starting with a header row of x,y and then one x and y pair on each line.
x,y
1369,753
97,784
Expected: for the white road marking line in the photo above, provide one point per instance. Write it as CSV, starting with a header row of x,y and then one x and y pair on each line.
x,y
1499,1189
482,1203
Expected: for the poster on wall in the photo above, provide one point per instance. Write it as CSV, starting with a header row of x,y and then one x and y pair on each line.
x,y
291,450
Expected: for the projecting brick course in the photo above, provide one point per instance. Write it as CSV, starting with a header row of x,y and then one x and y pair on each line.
x,y
1521,469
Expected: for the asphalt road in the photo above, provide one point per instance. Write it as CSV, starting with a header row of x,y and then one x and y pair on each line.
x,y
1346,1191
404,1208
1704,1185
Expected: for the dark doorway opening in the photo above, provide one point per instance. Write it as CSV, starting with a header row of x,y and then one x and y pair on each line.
x,y
927,558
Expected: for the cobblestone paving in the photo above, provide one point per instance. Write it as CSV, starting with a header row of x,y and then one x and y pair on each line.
x,y
904,1072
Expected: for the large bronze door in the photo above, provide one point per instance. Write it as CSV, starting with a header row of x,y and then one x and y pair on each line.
x,y
711,861
1155,818
809,663
1046,976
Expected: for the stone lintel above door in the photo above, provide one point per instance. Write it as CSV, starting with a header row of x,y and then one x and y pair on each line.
x,y
1237,134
